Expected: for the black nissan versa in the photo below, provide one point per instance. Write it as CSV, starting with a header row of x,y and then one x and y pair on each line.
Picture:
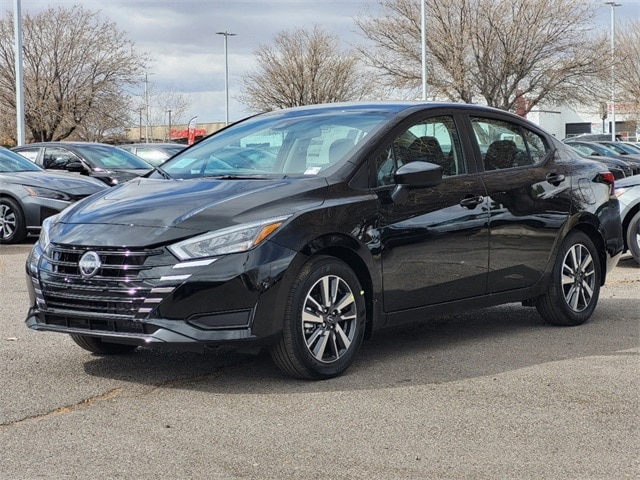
x,y
364,216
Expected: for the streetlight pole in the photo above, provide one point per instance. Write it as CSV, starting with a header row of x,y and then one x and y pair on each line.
x,y
226,74
17,14
613,6
424,48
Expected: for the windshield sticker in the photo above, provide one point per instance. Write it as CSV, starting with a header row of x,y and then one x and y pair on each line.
x,y
312,170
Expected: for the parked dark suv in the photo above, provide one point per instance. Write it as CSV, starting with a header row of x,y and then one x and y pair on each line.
x,y
369,216
107,163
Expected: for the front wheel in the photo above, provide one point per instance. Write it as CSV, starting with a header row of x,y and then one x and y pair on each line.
x,y
573,291
324,321
633,237
13,228
99,346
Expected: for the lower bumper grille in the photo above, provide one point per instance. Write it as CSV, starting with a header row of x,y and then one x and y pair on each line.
x,y
113,326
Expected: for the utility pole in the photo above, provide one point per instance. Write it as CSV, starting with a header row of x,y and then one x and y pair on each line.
x,y
146,104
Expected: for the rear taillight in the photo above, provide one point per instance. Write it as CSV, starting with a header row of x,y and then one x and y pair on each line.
x,y
609,179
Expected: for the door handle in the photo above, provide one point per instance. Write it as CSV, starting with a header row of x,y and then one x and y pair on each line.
x,y
555,178
471,201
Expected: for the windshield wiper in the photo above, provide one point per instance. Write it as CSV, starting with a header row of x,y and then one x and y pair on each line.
x,y
164,174
236,177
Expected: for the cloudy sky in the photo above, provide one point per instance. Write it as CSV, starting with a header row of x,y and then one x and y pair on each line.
x,y
187,55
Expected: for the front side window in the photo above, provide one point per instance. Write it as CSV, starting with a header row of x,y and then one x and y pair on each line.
x,y
506,145
434,140
58,158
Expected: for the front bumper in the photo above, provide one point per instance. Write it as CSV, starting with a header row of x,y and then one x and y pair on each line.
x,y
147,297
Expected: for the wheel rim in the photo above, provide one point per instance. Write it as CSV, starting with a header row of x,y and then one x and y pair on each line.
x,y
636,237
7,221
578,277
329,319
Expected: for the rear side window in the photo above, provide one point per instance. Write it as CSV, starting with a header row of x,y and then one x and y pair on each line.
x,y
506,145
30,153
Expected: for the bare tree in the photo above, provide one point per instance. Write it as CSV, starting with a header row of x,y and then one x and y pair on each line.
x,y
76,68
627,63
303,67
494,51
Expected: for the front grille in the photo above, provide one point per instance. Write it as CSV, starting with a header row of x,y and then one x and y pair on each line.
x,y
122,288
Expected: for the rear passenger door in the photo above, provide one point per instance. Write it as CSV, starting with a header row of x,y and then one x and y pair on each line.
x,y
529,200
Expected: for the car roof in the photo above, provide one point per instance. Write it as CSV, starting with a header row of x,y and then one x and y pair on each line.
x,y
159,145
392,106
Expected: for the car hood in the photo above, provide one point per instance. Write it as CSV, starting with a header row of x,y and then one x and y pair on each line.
x,y
628,181
122,175
65,182
146,211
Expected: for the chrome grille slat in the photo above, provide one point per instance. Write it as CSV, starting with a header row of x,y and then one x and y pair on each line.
x,y
98,277
106,267
71,296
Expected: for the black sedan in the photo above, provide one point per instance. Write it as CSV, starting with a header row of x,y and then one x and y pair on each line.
x,y
604,152
615,165
371,215
28,195
107,163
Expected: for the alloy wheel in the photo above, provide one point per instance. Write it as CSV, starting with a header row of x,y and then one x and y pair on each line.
x,y
8,221
329,319
578,277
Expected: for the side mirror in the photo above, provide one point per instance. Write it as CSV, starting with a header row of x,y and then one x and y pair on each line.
x,y
415,175
74,167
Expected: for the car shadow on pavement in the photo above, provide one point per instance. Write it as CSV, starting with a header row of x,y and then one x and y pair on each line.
x,y
470,345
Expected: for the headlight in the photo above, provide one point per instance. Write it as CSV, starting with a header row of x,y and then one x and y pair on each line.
x,y
47,193
43,241
228,240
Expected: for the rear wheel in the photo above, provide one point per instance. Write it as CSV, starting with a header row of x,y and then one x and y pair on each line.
x,y
97,345
324,321
13,228
572,294
633,237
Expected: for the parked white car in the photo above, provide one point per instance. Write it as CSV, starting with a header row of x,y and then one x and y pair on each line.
x,y
628,193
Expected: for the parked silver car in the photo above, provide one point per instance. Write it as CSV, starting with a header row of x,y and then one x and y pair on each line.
x,y
628,193
29,194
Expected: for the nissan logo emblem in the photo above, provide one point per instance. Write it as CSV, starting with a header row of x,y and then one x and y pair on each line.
x,y
89,264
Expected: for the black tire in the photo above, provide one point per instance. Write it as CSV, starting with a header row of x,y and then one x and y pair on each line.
x,y
97,345
572,294
324,321
13,228
633,237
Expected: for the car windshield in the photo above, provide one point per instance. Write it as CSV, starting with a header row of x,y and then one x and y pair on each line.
x,y
108,157
12,162
173,149
622,148
304,143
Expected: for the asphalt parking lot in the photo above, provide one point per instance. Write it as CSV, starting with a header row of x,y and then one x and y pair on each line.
x,y
489,394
